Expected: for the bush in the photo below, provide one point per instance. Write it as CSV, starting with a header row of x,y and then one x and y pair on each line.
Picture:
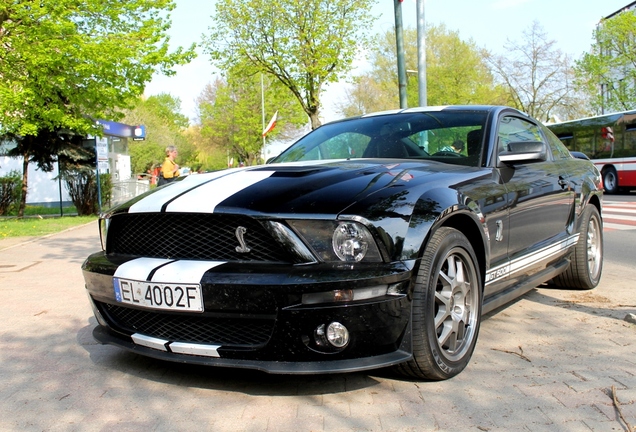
x,y
10,192
106,189
82,188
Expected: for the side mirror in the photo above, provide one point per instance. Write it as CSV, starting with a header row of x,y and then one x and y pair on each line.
x,y
520,152
579,155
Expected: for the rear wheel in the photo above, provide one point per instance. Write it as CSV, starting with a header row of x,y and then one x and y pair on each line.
x,y
610,180
446,308
586,266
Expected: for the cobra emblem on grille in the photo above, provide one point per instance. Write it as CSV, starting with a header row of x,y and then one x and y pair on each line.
x,y
240,232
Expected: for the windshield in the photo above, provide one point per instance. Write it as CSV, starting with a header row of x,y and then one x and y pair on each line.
x,y
451,136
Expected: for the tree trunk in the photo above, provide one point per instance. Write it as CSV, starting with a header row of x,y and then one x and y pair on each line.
x,y
315,121
25,184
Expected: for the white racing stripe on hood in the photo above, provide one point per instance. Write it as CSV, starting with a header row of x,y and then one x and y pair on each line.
x,y
165,270
184,272
155,201
139,269
206,197
224,184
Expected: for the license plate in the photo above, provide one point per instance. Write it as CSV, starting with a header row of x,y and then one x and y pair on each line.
x,y
175,297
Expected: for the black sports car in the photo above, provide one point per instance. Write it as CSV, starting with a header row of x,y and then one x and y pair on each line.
x,y
373,241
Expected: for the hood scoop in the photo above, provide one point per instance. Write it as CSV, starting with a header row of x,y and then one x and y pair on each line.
x,y
294,171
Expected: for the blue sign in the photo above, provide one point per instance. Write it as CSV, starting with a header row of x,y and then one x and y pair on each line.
x,y
139,133
123,130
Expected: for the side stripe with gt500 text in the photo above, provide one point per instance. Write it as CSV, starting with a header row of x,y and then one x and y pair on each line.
x,y
519,264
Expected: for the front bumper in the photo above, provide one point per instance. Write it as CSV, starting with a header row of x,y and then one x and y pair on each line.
x,y
254,318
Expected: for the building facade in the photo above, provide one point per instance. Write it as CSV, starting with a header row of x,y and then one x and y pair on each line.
x,y
46,189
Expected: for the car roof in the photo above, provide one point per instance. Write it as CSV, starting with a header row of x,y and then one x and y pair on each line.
x,y
437,108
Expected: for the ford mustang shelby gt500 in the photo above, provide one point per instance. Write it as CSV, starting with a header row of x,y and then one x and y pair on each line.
x,y
374,241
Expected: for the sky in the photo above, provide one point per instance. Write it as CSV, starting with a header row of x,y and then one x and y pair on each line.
x,y
488,23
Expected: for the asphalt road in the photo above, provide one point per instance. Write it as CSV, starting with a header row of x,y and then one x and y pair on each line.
x,y
620,243
551,361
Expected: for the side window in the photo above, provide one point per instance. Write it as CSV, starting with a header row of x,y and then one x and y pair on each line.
x,y
514,129
558,149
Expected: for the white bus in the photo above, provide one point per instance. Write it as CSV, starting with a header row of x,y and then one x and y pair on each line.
x,y
609,141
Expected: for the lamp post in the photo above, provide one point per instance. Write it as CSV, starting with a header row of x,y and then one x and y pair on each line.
x,y
421,54
399,41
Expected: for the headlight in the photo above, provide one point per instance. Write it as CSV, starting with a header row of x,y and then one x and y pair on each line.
x,y
339,241
104,222
351,241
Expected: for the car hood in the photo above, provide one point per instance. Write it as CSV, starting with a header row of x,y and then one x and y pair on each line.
x,y
328,188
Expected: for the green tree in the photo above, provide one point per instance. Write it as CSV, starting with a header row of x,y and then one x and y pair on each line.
x,y
64,64
456,73
230,113
368,94
303,43
165,126
538,77
608,72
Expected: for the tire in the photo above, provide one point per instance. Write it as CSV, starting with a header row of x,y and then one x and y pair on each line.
x,y
585,269
610,180
446,314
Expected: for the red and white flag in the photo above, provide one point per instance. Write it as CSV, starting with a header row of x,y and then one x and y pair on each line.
x,y
271,124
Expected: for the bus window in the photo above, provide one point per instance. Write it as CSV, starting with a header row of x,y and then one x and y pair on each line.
x,y
584,142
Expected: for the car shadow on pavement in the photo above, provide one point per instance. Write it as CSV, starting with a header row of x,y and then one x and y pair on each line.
x,y
245,381
257,383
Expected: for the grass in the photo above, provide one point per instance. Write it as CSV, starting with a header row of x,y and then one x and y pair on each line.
x,y
31,210
32,227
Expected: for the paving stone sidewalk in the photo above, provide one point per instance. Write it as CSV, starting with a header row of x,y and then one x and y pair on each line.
x,y
551,361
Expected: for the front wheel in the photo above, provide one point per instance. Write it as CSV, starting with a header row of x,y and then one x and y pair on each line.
x,y
586,266
446,308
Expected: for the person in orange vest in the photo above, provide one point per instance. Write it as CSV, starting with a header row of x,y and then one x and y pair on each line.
x,y
169,169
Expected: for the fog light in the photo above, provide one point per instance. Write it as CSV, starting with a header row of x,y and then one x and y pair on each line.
x,y
337,335
329,339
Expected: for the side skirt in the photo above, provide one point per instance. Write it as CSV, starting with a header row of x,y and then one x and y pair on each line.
x,y
501,298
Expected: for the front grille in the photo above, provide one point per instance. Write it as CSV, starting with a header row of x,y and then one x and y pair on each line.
x,y
192,236
238,332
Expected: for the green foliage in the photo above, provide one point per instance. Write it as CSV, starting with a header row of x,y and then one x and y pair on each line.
x,y
231,116
302,43
106,189
65,63
165,126
456,73
10,188
607,72
40,210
